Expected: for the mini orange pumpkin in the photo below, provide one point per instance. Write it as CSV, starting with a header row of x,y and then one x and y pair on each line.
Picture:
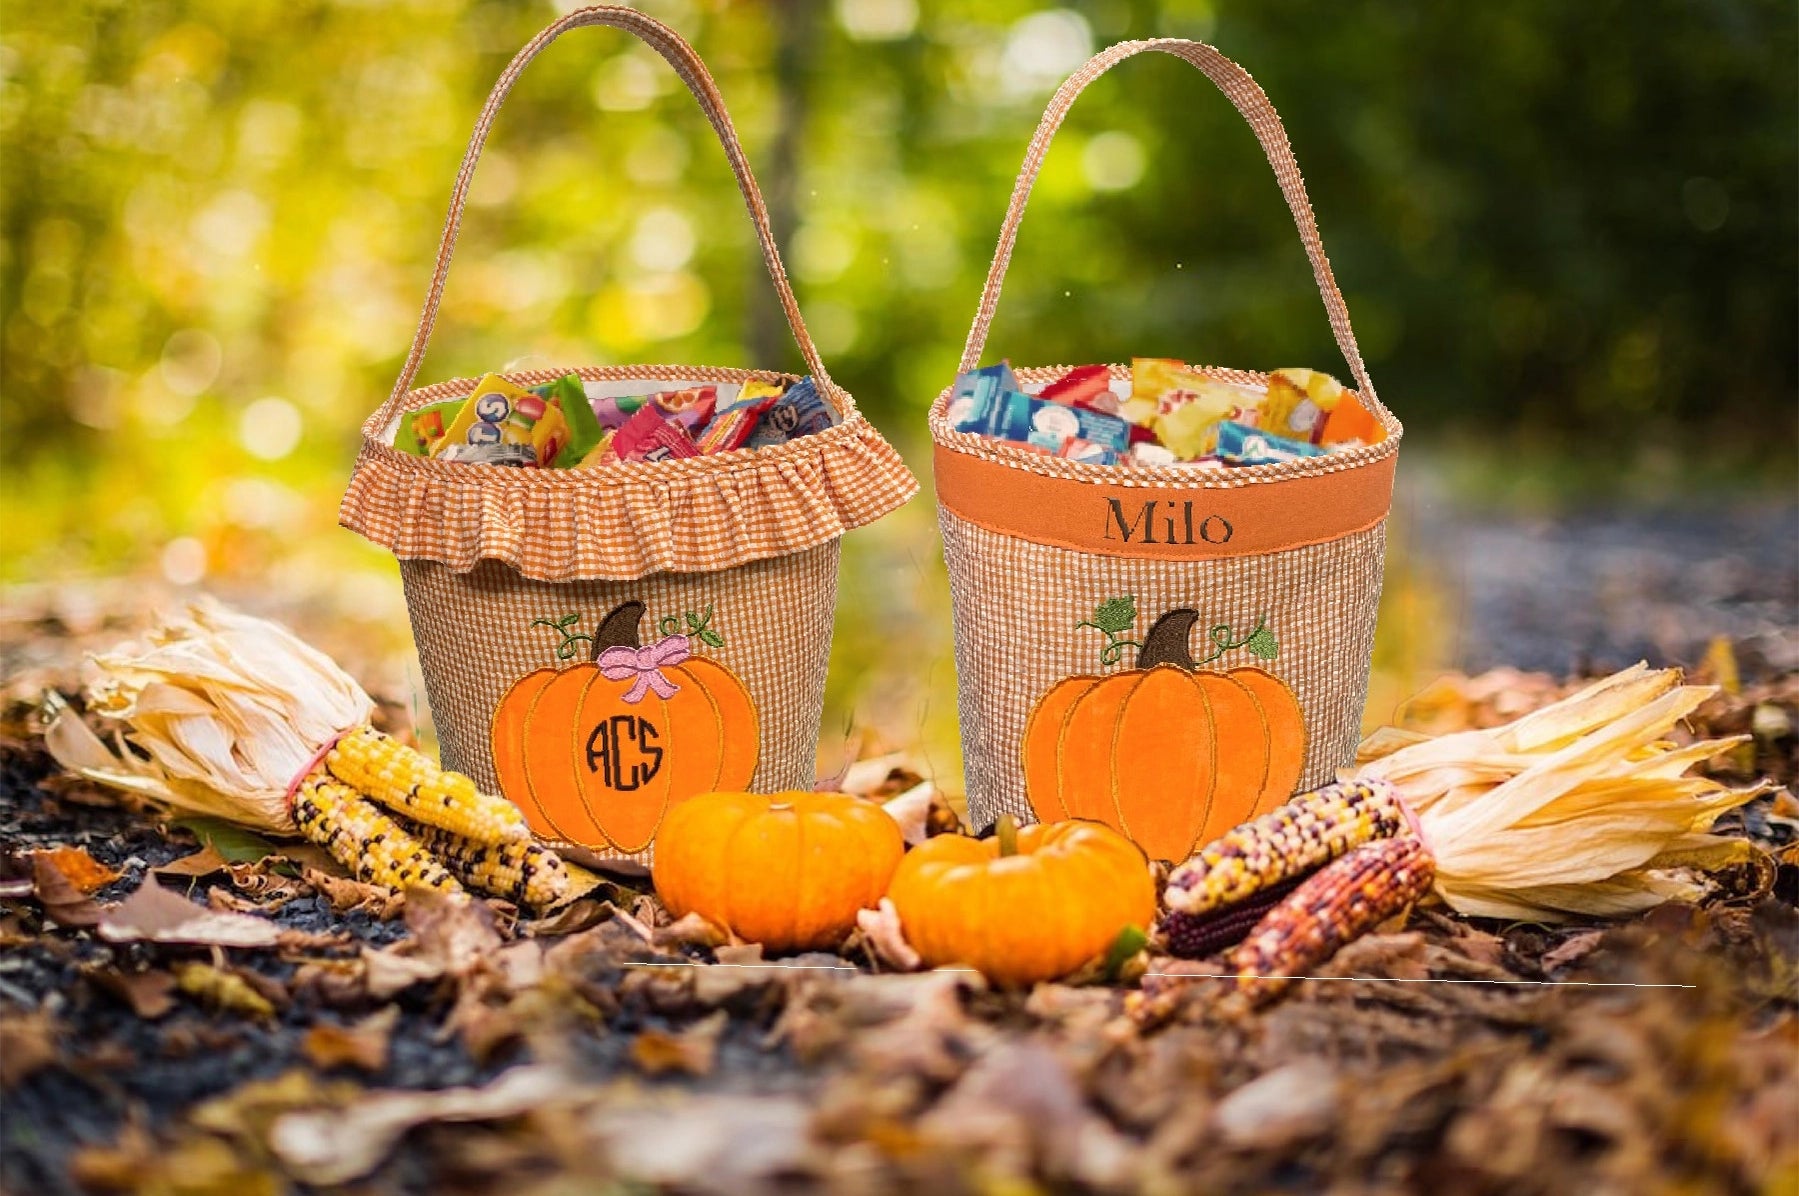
x,y
1027,905
787,870
595,754
1169,755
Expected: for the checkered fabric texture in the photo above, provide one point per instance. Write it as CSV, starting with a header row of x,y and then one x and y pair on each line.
x,y
475,641
1017,603
630,519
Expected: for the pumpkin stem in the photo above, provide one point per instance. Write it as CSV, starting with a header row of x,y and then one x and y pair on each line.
x,y
1007,831
1168,640
618,629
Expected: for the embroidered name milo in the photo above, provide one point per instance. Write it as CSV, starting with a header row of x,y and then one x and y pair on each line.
x,y
1177,523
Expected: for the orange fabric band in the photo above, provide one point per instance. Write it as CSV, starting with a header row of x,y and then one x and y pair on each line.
x,y
1165,522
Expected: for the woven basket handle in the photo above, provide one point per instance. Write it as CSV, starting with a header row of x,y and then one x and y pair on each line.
x,y
687,64
1253,103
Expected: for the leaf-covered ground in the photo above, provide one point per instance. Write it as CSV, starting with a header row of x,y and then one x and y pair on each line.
x,y
259,1023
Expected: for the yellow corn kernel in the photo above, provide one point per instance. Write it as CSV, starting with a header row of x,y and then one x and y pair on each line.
x,y
362,838
1308,832
526,874
409,782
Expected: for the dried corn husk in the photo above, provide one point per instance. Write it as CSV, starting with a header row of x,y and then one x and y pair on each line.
x,y
218,713
1583,807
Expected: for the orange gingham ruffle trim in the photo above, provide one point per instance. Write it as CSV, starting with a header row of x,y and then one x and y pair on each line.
x,y
624,521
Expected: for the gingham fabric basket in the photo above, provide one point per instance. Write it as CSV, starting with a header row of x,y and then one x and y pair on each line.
x,y
600,643
1268,577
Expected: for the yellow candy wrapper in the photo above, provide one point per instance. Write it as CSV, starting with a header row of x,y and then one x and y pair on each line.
x,y
1182,405
1306,405
500,413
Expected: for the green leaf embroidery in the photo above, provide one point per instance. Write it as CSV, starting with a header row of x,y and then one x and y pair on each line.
x,y
1114,617
1263,644
699,627
567,648
1116,614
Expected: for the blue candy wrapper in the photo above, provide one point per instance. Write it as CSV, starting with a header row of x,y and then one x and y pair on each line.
x,y
800,411
986,405
1240,444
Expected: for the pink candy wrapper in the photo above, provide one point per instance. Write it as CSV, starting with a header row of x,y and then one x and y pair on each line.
x,y
648,436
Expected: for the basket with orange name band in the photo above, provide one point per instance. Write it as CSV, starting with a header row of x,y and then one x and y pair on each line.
x,y
1167,649
600,643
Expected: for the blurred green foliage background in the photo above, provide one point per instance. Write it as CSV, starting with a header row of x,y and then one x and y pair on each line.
x,y
1566,231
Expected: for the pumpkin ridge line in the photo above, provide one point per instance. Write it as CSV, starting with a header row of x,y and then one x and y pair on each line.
x,y
1124,706
1061,798
575,768
665,774
530,784
1205,817
493,723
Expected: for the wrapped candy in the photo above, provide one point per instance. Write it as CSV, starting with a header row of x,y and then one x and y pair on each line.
x,y
798,411
499,413
1239,444
650,436
1182,405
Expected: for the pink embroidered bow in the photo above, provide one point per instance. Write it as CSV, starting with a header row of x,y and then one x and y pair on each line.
x,y
645,665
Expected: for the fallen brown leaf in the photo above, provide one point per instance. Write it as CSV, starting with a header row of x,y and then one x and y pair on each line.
x,y
82,870
364,1045
1572,949
1020,1109
154,914
150,995
1280,1108
710,1145
347,894
691,1051
28,1044
690,931
204,862
222,989
62,898
886,939
335,1146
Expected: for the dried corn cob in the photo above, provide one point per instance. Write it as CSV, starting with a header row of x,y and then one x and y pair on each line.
x,y
524,873
1308,832
1334,905
409,782
1195,936
362,838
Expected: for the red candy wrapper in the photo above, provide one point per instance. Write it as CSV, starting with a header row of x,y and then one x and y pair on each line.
x,y
648,436
1086,386
731,428
691,408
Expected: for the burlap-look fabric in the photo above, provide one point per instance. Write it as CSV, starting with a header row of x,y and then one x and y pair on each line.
x,y
1301,551
475,641
1017,604
749,535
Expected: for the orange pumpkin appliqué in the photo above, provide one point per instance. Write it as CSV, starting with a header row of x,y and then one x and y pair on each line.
x,y
596,754
1165,753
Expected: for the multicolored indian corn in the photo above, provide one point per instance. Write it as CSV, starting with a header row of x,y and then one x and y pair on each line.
x,y
1308,832
523,873
409,782
1334,905
363,838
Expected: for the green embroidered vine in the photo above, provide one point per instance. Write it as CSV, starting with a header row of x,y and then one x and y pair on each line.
x,y
1114,617
566,649
1167,641
1260,642
699,627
